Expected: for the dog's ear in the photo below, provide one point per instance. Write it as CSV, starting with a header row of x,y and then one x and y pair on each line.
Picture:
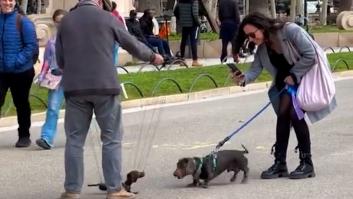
x,y
190,166
182,163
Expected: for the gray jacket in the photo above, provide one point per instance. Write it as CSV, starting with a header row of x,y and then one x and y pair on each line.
x,y
290,34
84,50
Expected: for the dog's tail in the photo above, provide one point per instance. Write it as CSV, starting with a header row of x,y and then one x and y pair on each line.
x,y
101,186
245,149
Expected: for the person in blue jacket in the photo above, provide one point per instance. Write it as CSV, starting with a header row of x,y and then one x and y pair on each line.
x,y
18,47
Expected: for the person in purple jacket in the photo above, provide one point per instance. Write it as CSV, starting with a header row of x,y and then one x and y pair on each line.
x,y
18,48
56,96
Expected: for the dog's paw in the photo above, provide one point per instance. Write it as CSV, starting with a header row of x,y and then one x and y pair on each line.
x,y
192,185
233,179
205,186
244,181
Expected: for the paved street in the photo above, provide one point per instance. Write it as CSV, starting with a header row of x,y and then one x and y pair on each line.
x,y
193,129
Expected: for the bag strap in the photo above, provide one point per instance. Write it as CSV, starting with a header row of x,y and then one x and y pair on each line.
x,y
19,25
19,22
311,41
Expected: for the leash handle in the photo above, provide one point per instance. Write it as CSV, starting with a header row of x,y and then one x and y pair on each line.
x,y
220,144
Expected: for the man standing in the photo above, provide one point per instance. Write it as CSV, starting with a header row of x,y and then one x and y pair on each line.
x,y
84,50
229,19
187,15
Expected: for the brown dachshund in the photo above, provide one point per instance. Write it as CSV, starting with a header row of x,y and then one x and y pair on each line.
x,y
131,178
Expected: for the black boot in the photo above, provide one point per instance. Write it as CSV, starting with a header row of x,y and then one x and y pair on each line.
x,y
278,169
305,168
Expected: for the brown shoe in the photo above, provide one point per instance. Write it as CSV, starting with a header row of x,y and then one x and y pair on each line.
x,y
70,195
196,64
122,194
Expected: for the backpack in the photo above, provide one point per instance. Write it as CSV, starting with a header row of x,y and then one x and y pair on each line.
x,y
19,28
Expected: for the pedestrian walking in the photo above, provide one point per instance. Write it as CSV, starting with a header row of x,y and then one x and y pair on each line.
x,y
55,96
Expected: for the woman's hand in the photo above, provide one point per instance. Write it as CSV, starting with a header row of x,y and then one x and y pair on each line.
x,y
289,80
238,78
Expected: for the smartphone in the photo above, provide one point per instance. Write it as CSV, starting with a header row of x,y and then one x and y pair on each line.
x,y
234,68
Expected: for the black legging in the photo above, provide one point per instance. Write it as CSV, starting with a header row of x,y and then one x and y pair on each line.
x,y
287,117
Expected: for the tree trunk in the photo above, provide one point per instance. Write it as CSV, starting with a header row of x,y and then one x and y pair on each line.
x,y
261,6
149,4
210,7
39,6
323,18
300,7
246,7
293,7
346,5
24,5
273,8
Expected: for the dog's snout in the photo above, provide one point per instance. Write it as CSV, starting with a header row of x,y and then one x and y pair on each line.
x,y
178,174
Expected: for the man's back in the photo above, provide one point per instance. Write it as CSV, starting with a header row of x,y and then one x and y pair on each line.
x,y
228,10
85,46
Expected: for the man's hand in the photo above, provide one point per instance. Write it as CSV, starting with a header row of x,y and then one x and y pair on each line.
x,y
158,59
238,78
289,80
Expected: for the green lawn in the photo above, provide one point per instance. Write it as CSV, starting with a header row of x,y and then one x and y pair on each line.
x,y
147,81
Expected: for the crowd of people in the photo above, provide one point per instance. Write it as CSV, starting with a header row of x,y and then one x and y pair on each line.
x,y
90,85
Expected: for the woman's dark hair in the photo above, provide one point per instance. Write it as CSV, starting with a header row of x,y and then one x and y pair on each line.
x,y
132,14
260,21
58,12
147,11
114,5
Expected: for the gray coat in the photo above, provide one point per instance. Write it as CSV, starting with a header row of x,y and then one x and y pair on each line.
x,y
84,50
290,34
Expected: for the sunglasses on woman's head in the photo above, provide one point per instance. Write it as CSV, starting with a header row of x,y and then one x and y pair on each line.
x,y
252,34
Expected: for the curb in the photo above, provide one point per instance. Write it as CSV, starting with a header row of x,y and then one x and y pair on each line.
x,y
217,92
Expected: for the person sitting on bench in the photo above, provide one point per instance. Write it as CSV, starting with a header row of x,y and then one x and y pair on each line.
x,y
146,24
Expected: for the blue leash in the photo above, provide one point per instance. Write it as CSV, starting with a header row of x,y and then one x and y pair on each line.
x,y
220,144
